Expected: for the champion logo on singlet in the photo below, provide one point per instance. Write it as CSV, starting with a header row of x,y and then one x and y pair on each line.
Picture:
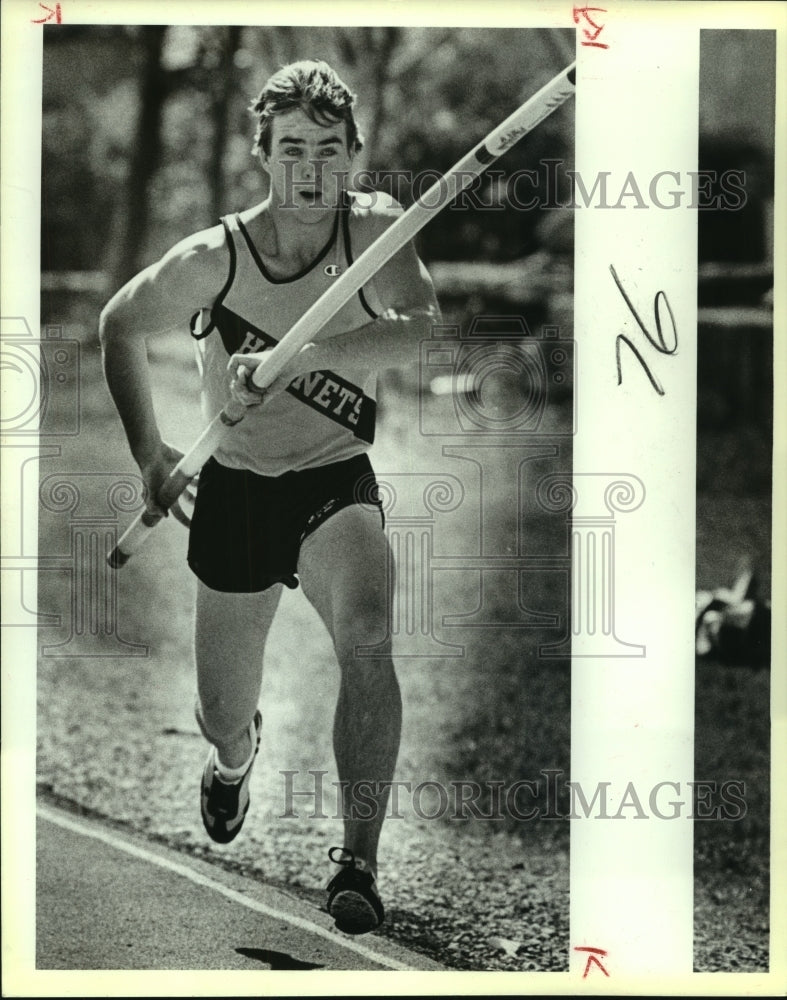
x,y
325,391
332,270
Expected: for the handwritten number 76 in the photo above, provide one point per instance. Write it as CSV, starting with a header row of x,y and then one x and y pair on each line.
x,y
658,342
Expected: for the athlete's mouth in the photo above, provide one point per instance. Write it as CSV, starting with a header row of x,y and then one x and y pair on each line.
x,y
311,197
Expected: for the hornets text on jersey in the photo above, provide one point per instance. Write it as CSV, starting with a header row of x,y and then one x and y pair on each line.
x,y
323,416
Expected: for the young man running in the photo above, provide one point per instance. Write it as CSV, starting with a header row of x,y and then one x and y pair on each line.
x,y
289,497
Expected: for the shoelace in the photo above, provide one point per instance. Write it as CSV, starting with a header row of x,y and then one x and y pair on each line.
x,y
345,862
351,874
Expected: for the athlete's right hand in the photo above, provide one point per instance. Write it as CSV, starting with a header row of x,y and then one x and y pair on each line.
x,y
243,366
241,381
155,470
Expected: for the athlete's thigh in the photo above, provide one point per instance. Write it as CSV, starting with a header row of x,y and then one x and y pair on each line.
x,y
234,623
346,570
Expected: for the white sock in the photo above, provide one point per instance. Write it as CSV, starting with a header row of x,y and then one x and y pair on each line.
x,y
230,775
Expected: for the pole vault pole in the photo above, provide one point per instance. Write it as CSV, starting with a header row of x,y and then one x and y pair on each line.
x,y
440,194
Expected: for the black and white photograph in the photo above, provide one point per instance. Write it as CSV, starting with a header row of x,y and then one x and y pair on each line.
x,y
391,506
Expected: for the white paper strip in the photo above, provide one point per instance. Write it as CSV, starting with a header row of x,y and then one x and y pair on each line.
x,y
634,483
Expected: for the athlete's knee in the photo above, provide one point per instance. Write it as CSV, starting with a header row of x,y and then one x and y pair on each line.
x,y
362,632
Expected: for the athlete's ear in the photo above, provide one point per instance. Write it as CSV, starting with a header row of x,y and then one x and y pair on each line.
x,y
265,162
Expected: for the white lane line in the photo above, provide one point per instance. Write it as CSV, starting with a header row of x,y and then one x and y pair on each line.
x,y
236,897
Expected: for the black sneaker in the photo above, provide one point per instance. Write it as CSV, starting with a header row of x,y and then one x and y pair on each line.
x,y
224,804
353,900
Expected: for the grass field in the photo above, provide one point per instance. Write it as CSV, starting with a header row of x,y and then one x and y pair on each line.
x,y
116,734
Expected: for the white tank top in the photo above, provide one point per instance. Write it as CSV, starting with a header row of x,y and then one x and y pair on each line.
x,y
323,416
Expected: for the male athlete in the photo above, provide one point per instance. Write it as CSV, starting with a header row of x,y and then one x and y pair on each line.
x,y
289,496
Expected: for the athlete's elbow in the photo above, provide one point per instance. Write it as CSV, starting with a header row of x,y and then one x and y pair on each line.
x,y
415,327
426,317
433,314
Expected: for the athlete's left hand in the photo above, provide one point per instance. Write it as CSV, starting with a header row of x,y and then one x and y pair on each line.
x,y
241,366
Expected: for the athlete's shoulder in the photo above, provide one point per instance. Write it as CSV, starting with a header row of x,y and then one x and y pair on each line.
x,y
165,294
374,203
199,261
206,248
372,212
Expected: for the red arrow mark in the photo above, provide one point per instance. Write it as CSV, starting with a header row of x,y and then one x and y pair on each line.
x,y
593,958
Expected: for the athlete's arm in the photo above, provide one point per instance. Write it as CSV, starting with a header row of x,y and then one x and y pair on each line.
x,y
407,294
162,297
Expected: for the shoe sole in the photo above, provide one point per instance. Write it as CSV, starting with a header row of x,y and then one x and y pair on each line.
x,y
353,913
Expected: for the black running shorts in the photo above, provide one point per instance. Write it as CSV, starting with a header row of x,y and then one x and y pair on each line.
x,y
246,530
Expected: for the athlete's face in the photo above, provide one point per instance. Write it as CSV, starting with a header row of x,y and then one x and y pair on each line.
x,y
307,164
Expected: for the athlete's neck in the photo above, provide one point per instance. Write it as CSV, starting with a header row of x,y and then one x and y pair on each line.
x,y
290,238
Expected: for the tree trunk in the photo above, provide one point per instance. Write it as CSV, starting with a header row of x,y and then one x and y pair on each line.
x,y
220,102
145,157
387,43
